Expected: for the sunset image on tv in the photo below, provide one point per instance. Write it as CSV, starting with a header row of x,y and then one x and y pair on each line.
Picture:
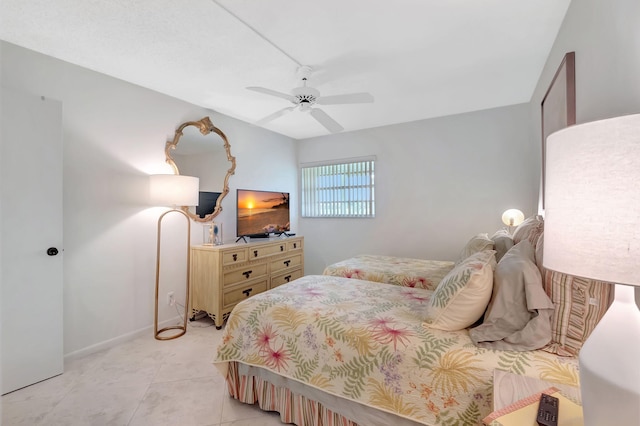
x,y
262,212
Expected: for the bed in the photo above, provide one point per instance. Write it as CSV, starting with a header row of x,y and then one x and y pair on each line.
x,y
344,341
336,350
402,271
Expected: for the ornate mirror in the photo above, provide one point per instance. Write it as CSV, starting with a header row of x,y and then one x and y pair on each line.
x,y
201,149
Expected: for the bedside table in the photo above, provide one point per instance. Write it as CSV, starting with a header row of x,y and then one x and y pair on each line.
x,y
509,388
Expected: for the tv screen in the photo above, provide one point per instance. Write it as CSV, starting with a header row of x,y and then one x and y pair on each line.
x,y
206,203
262,212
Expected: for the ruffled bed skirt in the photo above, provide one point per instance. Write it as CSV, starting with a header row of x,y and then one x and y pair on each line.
x,y
293,407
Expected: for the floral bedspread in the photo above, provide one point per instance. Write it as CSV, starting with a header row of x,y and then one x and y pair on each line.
x,y
365,341
418,273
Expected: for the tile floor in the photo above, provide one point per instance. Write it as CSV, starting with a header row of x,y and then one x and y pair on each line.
x,y
140,382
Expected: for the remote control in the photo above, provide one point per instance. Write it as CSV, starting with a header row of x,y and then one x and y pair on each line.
x,y
548,411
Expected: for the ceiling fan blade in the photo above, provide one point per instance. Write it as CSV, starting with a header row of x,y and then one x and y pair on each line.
x,y
328,122
272,93
273,116
351,98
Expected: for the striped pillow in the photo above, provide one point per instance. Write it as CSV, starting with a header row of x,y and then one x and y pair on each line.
x,y
579,304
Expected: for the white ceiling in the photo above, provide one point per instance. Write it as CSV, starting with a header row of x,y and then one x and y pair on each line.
x,y
419,58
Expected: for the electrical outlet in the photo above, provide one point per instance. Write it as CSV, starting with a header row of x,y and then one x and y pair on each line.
x,y
171,300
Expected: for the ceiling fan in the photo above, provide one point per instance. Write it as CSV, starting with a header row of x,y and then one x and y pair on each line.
x,y
305,98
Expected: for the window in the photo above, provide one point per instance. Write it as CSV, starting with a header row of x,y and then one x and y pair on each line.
x,y
338,189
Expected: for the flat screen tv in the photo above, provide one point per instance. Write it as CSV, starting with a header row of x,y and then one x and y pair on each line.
x,y
206,203
260,213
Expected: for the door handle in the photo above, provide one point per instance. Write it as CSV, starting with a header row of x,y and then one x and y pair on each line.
x,y
286,262
247,292
52,251
247,274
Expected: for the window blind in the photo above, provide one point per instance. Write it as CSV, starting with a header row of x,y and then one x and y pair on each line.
x,y
338,189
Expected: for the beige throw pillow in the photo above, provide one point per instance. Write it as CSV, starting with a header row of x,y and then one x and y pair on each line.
x,y
519,315
539,253
463,294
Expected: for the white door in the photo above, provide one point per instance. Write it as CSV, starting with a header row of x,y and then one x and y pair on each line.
x,y
31,223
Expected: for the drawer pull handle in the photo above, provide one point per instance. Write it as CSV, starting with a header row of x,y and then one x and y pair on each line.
x,y
247,292
281,248
235,256
286,262
295,245
287,278
255,253
246,274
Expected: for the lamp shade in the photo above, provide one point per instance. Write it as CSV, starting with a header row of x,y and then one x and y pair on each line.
x,y
173,190
512,217
592,197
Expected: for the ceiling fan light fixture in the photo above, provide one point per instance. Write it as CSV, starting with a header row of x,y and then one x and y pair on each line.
x,y
306,95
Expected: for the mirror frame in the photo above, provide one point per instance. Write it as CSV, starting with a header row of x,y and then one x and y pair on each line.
x,y
205,126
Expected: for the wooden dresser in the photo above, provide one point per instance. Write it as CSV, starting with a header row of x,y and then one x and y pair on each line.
x,y
222,276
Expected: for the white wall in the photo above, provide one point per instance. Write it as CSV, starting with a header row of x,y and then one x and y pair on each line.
x,y
114,136
606,38
438,182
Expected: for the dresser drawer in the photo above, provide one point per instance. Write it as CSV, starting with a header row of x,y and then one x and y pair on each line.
x,y
244,274
294,245
285,278
229,257
265,250
239,293
286,262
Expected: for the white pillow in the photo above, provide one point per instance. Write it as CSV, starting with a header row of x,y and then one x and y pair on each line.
x,y
530,230
463,294
477,243
502,242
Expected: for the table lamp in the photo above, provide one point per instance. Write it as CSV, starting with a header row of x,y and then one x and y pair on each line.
x,y
512,218
592,230
174,191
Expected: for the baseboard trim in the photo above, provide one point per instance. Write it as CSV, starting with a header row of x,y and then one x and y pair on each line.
x,y
107,344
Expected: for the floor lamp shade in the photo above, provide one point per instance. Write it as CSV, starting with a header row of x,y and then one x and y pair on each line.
x,y
592,230
173,190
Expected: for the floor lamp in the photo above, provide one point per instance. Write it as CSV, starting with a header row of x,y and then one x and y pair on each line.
x,y
175,191
592,230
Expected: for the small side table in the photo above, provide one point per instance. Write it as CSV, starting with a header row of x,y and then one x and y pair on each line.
x,y
509,388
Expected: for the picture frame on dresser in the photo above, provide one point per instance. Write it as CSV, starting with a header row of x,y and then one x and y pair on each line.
x,y
558,106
